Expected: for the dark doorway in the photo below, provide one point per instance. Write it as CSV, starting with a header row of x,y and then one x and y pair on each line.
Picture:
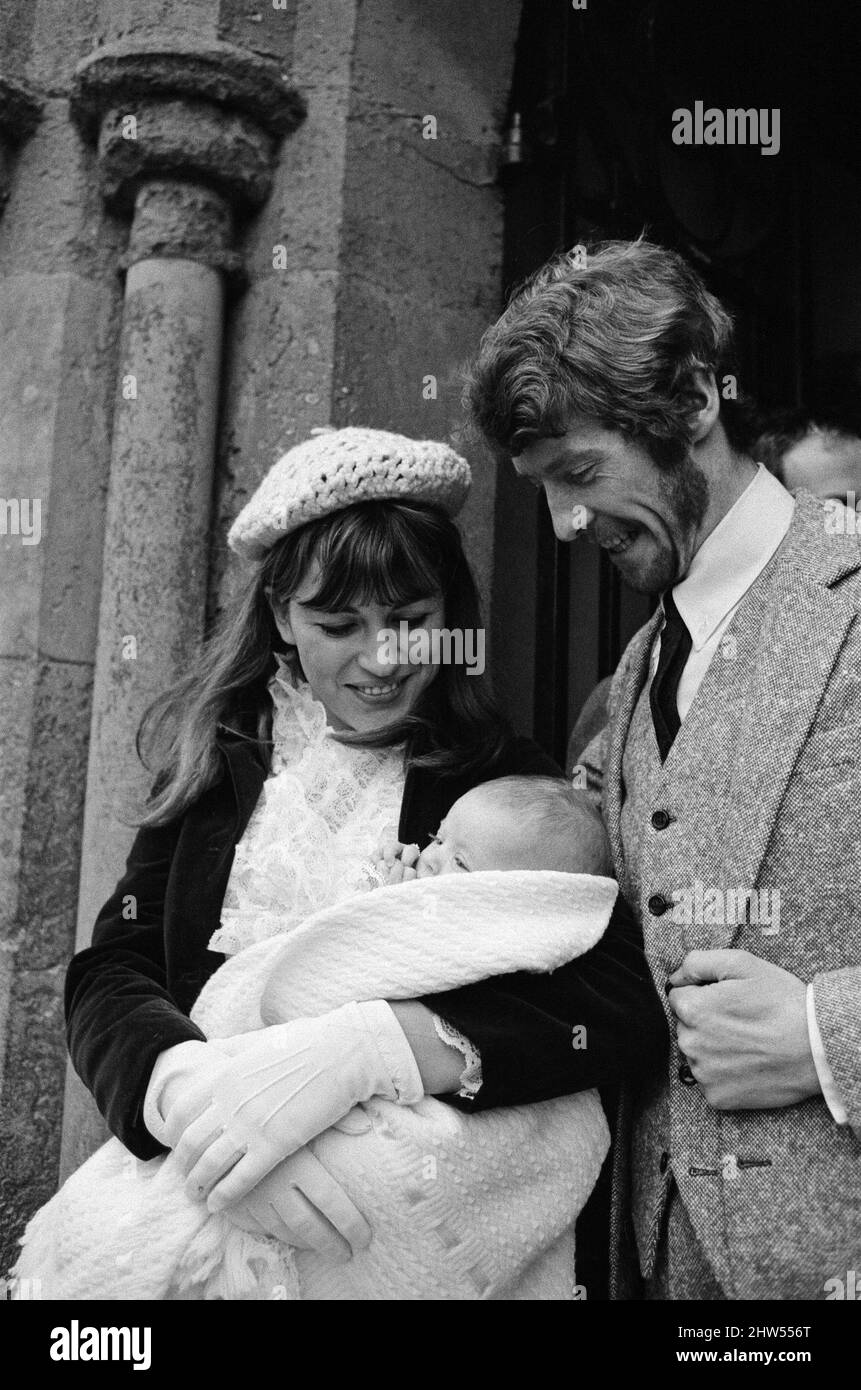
x,y
591,155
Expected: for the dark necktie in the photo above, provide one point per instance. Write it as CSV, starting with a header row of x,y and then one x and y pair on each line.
x,y
675,649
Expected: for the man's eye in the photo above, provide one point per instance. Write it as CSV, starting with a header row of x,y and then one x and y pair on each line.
x,y
333,631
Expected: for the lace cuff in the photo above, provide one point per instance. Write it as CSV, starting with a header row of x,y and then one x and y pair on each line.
x,y
470,1077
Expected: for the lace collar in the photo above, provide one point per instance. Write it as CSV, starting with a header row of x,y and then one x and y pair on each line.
x,y
300,722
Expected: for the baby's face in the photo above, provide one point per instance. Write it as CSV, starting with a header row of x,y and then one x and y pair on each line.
x,y
478,833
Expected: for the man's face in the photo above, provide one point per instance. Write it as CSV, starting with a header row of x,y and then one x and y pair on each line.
x,y
601,484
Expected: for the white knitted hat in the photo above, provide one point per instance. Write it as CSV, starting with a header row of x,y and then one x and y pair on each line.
x,y
336,468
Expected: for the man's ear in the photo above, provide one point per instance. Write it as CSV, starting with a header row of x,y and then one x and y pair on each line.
x,y
703,403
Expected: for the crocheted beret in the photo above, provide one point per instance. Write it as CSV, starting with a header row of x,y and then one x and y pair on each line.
x,y
336,468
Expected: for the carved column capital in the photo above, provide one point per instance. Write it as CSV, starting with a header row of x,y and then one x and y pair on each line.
x,y
186,137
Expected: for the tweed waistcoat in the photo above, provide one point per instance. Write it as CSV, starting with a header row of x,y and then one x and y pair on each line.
x,y
672,823
757,850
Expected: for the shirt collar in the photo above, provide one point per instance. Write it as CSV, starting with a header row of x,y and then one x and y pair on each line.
x,y
733,556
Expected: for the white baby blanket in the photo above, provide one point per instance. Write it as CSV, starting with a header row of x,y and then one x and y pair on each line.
x,y
461,1206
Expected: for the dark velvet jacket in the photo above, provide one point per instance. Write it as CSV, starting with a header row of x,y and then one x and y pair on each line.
x,y
128,994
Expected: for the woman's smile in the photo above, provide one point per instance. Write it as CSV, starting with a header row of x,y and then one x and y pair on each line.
x,y
382,693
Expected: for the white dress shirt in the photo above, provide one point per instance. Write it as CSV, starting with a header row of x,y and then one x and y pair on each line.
x,y
727,564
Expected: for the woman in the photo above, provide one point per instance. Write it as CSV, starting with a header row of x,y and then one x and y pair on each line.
x,y
350,534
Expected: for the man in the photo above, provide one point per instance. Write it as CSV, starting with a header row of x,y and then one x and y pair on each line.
x,y
728,773
824,459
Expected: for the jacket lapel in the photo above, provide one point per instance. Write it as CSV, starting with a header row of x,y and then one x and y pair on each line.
x,y
804,629
247,775
211,829
631,686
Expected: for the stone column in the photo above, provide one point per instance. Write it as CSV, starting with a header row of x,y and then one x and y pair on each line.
x,y
19,114
186,137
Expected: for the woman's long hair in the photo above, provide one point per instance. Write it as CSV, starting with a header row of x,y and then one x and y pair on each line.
x,y
388,552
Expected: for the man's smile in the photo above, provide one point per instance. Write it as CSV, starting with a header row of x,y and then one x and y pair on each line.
x,y
612,536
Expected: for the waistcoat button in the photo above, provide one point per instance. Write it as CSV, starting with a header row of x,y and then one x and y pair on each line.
x,y
664,1162
658,904
661,819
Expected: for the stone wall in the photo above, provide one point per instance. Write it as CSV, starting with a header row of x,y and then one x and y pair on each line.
x,y
59,298
388,273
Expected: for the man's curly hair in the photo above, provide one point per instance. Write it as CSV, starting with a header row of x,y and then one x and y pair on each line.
x,y
618,339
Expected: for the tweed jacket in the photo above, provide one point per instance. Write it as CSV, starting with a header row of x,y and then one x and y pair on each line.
x,y
762,791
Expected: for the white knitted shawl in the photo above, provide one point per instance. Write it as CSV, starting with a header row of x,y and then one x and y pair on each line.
x,y
461,1206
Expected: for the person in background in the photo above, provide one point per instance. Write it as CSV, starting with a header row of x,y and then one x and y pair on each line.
x,y
823,458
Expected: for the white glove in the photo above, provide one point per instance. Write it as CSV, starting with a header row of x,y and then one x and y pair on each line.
x,y
299,1202
184,1065
291,1082
183,1080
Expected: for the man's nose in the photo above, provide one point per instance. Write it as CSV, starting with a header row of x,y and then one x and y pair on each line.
x,y
570,518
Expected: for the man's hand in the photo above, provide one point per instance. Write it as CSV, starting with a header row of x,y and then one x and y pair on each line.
x,y
300,1203
742,1024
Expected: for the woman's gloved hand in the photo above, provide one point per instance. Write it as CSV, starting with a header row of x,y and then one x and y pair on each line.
x,y
300,1203
181,1073
287,1084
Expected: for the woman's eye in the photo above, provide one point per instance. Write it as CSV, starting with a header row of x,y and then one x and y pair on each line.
x,y
459,863
332,631
412,619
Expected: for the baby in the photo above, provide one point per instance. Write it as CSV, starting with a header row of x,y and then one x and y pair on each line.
x,y
510,823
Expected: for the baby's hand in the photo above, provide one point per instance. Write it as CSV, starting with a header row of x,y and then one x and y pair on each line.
x,y
397,861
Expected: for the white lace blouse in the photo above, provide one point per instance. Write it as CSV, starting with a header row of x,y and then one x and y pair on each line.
x,y
312,837
311,840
